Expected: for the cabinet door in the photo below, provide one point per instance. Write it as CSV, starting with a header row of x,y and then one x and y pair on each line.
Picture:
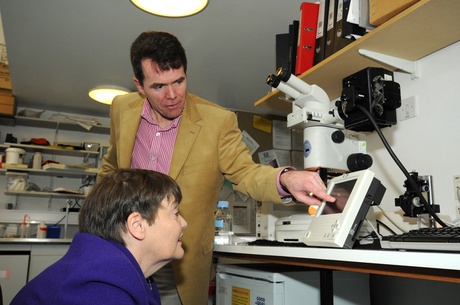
x,y
43,256
40,263
13,274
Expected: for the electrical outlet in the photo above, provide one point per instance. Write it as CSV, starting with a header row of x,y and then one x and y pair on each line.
x,y
456,186
408,109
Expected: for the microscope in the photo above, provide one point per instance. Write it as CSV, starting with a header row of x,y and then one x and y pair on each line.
x,y
334,145
334,141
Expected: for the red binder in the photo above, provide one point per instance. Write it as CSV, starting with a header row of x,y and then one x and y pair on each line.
x,y
308,23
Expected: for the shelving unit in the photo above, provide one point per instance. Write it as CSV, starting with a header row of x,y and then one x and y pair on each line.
x,y
46,194
422,29
44,123
44,204
42,148
70,173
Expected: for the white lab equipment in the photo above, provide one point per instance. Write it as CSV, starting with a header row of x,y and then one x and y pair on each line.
x,y
265,284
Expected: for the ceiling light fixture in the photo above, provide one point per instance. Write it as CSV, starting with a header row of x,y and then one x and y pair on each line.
x,y
171,8
105,94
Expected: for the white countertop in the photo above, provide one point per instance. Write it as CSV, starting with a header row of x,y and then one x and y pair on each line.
x,y
35,240
435,260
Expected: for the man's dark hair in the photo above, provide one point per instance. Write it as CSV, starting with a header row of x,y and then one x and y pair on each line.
x,y
118,194
161,47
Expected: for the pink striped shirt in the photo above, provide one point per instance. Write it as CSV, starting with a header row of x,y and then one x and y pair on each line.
x,y
154,146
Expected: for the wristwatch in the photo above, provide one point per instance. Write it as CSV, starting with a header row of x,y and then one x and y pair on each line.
x,y
287,199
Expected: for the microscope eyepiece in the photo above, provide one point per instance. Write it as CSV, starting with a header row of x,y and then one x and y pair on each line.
x,y
272,80
283,74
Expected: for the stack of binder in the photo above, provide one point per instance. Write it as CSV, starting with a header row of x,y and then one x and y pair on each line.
x,y
321,30
286,48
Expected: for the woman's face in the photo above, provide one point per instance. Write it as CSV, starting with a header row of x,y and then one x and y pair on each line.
x,y
164,235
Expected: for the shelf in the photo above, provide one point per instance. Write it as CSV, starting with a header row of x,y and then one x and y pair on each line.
x,y
50,173
420,30
45,194
48,149
49,217
43,123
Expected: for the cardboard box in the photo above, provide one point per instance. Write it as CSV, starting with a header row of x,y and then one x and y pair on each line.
x,y
6,92
5,81
7,105
383,10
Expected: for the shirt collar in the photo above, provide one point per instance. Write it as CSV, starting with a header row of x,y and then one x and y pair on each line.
x,y
147,115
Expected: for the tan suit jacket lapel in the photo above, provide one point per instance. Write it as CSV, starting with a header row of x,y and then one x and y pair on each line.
x,y
189,129
128,131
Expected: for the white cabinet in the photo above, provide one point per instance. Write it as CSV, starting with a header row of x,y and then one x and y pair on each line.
x,y
15,269
44,255
13,273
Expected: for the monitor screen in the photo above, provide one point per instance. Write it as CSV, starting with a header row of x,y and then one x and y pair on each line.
x,y
341,192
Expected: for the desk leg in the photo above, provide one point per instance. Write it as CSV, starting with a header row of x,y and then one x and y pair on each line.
x,y
326,287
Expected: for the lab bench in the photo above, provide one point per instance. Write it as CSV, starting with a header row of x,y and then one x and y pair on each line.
x,y
412,275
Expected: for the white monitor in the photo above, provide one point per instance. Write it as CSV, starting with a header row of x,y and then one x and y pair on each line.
x,y
336,224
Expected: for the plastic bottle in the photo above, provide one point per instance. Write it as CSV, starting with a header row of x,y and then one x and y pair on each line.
x,y
24,229
41,230
223,224
37,163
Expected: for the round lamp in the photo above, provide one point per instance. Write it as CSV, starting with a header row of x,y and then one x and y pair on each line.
x,y
105,94
171,8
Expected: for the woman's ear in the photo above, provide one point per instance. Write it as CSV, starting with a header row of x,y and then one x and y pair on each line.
x,y
136,225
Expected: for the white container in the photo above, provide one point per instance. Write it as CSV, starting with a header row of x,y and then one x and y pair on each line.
x,y
41,230
16,181
37,163
14,155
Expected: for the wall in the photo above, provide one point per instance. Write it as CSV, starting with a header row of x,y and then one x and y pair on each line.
x,y
429,142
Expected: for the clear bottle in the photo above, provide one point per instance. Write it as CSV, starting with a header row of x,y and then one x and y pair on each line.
x,y
223,224
24,229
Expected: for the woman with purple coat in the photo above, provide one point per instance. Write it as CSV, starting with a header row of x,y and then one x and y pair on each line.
x,y
129,227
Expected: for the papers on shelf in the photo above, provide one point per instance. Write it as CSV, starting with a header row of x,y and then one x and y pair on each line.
x,y
66,167
6,165
66,191
86,123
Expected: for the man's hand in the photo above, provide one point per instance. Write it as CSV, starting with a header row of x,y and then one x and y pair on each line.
x,y
305,186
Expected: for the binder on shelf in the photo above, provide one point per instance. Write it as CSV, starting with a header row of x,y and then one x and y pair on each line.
x,y
364,15
330,32
345,32
282,50
286,47
308,23
320,33
293,36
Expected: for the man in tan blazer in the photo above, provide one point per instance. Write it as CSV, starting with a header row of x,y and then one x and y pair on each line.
x,y
206,148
